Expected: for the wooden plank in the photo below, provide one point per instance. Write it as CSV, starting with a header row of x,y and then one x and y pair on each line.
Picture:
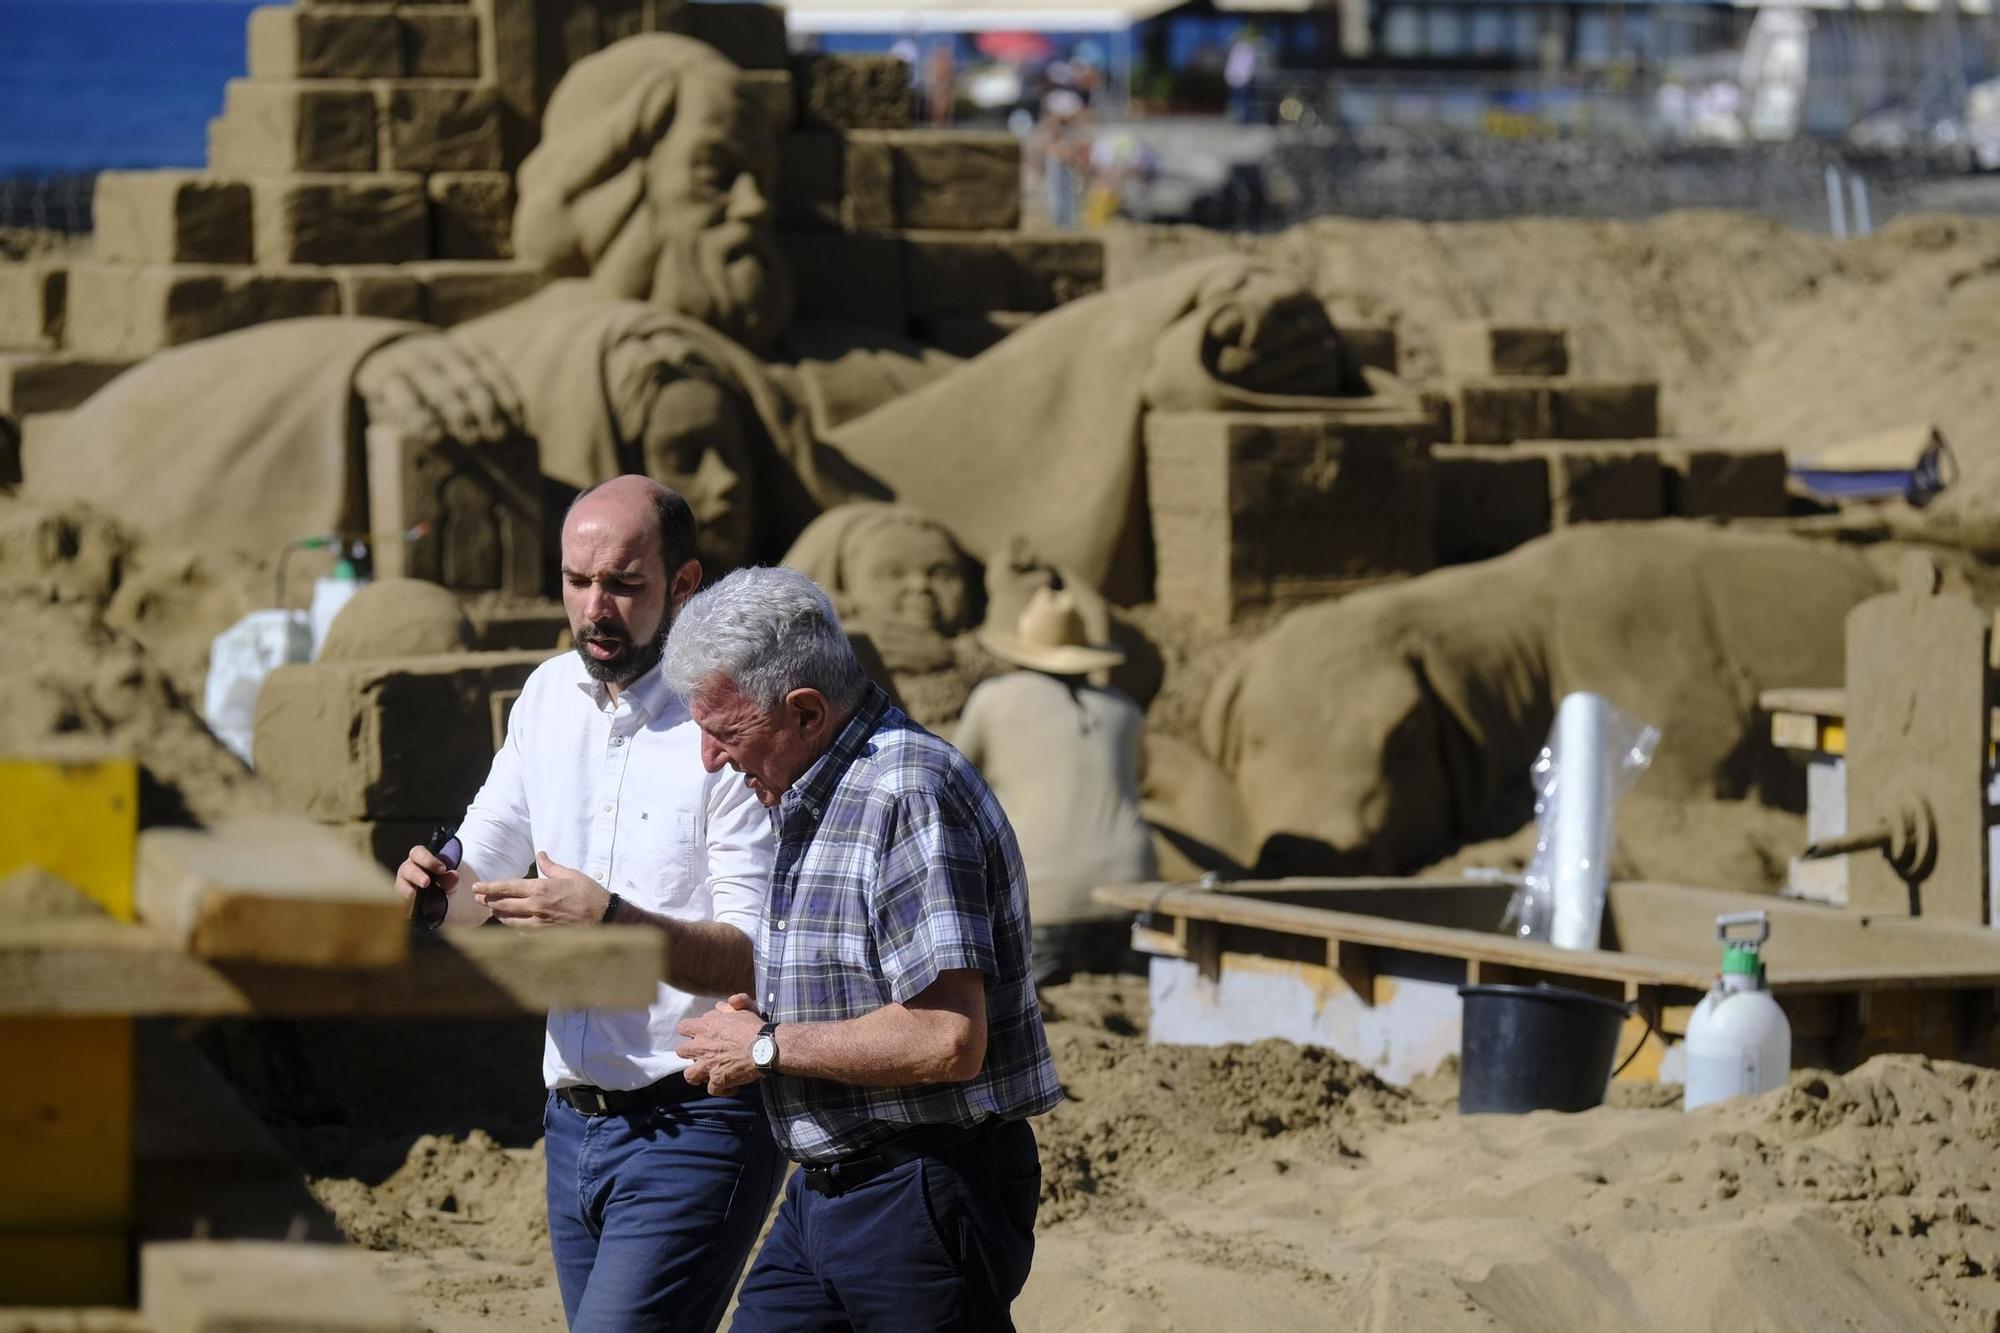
x,y
1446,941
271,889
85,1266
1827,703
230,1286
1356,965
66,1120
107,968
76,817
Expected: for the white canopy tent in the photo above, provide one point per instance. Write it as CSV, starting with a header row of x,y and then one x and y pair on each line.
x,y
913,17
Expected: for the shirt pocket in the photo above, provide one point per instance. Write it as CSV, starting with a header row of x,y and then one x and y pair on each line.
x,y
658,867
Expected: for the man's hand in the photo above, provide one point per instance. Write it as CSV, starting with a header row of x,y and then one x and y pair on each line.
x,y
433,386
718,1045
561,897
419,870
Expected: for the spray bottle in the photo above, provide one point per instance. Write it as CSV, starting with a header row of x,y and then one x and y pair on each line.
x,y
1739,1042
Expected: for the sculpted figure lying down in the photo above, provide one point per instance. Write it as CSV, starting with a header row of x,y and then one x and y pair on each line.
x,y
650,187
1377,733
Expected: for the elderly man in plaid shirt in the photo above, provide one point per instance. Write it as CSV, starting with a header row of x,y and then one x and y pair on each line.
x,y
895,1032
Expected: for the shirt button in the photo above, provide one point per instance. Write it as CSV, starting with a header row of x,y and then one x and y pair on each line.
x,y
607,809
772,998
617,740
781,925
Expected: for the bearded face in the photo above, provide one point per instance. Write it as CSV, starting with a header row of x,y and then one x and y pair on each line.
x,y
654,179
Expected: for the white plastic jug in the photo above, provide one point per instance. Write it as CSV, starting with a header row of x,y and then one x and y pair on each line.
x,y
1739,1042
329,595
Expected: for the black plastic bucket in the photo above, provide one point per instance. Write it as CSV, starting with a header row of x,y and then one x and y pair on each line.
x,y
1535,1048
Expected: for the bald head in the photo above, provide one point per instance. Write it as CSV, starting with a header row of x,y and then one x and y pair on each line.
x,y
627,565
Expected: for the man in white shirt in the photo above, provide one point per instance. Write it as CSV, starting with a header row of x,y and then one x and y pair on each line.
x,y
656,1189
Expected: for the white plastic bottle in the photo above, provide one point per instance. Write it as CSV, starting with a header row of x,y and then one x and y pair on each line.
x,y
1739,1042
329,595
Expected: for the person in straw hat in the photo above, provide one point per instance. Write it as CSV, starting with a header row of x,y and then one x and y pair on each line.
x,y
1064,756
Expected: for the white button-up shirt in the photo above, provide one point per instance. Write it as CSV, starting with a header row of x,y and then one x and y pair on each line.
x,y
615,788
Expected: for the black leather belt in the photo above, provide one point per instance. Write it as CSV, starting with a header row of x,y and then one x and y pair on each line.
x,y
669,1091
834,1179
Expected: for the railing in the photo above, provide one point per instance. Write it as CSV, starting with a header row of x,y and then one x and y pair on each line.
x,y
57,203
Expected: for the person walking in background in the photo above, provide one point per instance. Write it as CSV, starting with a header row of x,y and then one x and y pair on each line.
x,y
1066,758
899,1044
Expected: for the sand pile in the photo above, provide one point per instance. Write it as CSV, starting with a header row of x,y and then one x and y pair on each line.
x,y
1282,1187
103,641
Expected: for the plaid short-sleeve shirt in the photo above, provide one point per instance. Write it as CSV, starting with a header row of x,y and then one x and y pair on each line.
x,y
894,864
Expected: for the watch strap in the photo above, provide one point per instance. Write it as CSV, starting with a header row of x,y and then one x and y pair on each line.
x,y
611,907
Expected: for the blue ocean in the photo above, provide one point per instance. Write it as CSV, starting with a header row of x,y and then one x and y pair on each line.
x,y
87,85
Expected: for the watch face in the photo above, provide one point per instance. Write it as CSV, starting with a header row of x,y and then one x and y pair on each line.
x,y
763,1051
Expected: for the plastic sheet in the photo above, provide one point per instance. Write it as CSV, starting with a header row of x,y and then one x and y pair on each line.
x,y
1595,752
238,661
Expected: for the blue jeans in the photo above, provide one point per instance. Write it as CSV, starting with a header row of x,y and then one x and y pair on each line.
x,y
943,1242
652,1213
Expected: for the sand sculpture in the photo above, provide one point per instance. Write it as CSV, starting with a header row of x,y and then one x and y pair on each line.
x,y
398,618
1378,732
774,442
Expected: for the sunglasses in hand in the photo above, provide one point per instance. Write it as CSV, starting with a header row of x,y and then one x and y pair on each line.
x,y
430,906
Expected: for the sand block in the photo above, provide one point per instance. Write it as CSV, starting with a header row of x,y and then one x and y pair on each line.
x,y
270,889
406,738
278,126
441,125
776,92
233,1286
1602,483
1481,348
131,310
379,218
325,42
458,290
848,277
32,382
379,291
751,35
1498,411
920,179
955,272
1580,410
1373,345
968,335
1254,510
34,304
1718,482
439,41
480,508
1490,499
472,214
851,92
812,169
171,217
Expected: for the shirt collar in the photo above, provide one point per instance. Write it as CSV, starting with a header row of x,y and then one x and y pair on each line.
x,y
815,787
649,695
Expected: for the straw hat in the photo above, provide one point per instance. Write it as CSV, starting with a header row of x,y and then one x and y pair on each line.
x,y
1050,637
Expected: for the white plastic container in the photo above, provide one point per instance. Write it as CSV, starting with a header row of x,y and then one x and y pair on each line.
x,y
329,595
1739,1042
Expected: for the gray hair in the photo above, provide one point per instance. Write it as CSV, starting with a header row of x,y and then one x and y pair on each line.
x,y
769,631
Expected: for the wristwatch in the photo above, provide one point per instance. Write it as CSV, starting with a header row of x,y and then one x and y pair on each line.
x,y
764,1050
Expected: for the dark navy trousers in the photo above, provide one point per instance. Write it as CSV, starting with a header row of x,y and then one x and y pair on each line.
x,y
942,1242
652,1213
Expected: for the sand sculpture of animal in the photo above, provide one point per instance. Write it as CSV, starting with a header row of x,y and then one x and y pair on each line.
x,y
1379,732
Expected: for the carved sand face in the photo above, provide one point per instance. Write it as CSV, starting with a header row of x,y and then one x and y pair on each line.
x,y
694,445
710,179
908,575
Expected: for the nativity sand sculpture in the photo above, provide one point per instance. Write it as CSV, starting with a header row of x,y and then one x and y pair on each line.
x,y
1377,733
664,351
